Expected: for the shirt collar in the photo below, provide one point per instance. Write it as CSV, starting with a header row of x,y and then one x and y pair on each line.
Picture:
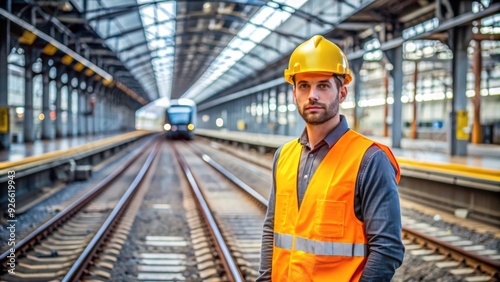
x,y
332,137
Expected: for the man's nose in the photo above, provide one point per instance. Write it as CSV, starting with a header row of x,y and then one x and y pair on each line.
x,y
313,94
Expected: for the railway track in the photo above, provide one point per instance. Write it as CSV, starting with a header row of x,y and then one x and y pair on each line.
x,y
83,241
462,257
234,214
466,260
63,247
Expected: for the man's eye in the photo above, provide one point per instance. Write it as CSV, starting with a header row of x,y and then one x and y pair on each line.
x,y
303,86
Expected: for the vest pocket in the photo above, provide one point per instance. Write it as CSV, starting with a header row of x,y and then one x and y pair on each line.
x,y
329,218
281,210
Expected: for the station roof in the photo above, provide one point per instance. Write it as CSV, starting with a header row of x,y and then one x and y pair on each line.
x,y
195,49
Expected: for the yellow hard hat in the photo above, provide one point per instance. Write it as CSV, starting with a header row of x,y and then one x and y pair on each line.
x,y
318,55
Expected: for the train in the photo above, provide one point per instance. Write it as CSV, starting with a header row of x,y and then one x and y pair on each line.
x,y
175,117
180,119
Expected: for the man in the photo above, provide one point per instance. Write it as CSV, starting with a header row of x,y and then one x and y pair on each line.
x,y
333,212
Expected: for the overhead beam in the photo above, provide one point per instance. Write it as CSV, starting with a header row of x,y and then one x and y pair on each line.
x,y
460,20
56,44
417,13
121,10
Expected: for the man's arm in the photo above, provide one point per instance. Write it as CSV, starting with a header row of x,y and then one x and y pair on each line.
x,y
381,214
266,254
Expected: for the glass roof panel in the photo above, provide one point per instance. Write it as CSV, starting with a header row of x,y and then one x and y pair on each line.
x,y
247,30
266,17
160,29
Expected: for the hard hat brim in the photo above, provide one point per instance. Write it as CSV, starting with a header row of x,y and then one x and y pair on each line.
x,y
289,75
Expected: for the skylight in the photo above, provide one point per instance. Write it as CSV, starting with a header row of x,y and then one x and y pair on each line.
x,y
265,21
160,23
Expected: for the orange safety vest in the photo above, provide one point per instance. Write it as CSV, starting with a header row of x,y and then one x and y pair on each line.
x,y
323,241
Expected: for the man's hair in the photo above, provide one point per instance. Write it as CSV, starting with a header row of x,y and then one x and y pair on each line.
x,y
339,80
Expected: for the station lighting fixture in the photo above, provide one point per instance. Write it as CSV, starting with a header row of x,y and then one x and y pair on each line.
x,y
347,105
421,28
489,25
417,49
282,108
372,56
66,6
20,112
372,50
373,44
219,122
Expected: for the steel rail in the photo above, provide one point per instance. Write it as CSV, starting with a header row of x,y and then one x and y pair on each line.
x,y
245,187
232,270
481,263
46,228
80,265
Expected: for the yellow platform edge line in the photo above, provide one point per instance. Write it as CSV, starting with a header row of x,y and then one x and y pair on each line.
x,y
80,149
457,169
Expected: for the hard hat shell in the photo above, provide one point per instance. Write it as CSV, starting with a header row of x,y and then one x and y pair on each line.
x,y
318,55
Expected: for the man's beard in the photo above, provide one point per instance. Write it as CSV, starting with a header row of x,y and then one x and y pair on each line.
x,y
319,117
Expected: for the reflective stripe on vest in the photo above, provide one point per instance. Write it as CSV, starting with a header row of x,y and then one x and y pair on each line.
x,y
285,241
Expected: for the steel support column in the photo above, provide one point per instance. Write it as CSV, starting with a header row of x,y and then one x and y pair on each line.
x,y
286,89
46,122
460,38
107,110
71,122
414,121
29,58
4,75
476,101
356,67
58,121
81,109
458,41
89,128
102,116
396,58
386,105
98,87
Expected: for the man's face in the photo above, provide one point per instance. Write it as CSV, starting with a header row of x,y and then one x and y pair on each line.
x,y
317,97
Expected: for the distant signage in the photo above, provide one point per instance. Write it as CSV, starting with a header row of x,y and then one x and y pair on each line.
x,y
463,125
4,119
241,125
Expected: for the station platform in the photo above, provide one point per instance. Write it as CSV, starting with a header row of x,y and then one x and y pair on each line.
x,y
20,151
485,156
479,155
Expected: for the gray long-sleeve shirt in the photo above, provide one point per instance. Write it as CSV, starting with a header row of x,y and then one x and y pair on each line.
x,y
376,203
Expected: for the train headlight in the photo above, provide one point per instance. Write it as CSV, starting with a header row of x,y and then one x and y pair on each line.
x,y
190,126
167,127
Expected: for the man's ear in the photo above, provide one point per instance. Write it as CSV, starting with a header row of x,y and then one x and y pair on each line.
x,y
342,93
